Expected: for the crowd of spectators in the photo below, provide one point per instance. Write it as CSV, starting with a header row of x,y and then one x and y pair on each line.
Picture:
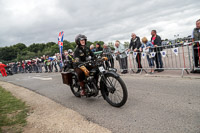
x,y
48,64
37,65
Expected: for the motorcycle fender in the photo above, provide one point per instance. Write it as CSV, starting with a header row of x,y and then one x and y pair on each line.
x,y
112,73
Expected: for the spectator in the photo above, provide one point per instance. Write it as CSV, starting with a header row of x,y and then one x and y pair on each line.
x,y
20,67
33,65
39,65
2,69
135,44
156,41
98,47
26,66
8,69
121,57
15,67
29,67
36,65
196,37
23,66
49,65
59,61
55,64
107,52
92,48
147,48
45,63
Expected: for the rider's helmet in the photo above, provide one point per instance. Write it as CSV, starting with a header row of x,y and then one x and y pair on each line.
x,y
80,37
69,51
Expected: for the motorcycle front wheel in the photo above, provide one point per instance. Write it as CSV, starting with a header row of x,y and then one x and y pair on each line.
x,y
114,90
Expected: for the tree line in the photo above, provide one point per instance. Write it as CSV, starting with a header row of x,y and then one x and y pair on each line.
x,y
20,51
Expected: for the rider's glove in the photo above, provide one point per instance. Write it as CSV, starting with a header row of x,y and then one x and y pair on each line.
x,y
104,58
85,70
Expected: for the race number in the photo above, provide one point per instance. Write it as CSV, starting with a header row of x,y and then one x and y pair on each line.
x,y
101,69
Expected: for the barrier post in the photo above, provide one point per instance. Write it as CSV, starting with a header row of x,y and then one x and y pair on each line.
x,y
189,57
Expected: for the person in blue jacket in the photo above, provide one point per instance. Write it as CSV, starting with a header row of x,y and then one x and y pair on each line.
x,y
148,48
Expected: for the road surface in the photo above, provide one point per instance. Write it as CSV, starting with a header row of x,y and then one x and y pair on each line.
x,y
155,104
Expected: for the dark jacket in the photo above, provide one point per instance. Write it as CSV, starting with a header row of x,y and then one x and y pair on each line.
x,y
99,49
196,34
135,43
83,54
157,42
108,53
196,37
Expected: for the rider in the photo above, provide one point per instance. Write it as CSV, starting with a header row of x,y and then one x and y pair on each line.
x,y
82,54
69,60
70,55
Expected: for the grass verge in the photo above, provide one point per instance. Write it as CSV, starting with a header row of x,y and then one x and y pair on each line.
x,y
13,113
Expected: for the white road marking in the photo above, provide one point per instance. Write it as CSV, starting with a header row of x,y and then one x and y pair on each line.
x,y
41,78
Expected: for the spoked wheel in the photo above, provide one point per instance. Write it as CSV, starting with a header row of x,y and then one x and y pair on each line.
x,y
74,87
114,90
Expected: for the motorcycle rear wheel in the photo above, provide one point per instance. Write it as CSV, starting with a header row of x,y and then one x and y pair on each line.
x,y
74,87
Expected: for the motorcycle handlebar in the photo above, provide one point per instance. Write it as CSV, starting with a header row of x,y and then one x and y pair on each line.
x,y
79,64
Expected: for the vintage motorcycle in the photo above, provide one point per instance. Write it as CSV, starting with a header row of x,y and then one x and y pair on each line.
x,y
9,70
112,87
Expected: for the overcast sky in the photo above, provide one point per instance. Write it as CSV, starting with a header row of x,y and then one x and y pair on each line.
x,y
40,21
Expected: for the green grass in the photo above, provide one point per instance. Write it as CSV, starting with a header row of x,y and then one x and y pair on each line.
x,y
13,113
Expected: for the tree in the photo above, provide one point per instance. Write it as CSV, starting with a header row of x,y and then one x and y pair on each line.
x,y
36,47
54,49
28,56
111,45
19,47
67,45
49,44
126,44
8,53
89,43
19,57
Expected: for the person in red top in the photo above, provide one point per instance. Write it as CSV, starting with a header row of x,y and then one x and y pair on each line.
x,y
2,69
156,41
23,66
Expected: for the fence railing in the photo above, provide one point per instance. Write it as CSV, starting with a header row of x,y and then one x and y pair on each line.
x,y
169,57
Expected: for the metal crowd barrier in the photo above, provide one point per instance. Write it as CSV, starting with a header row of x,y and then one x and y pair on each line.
x,y
179,56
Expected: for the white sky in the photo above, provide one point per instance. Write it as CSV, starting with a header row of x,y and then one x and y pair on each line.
x,y
40,21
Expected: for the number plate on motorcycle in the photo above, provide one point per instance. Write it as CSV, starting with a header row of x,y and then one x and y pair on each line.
x,y
101,69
